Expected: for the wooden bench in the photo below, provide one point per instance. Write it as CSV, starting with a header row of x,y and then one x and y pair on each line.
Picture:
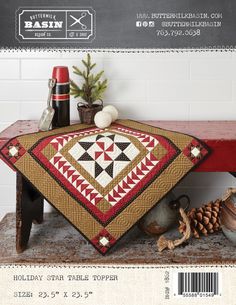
x,y
220,136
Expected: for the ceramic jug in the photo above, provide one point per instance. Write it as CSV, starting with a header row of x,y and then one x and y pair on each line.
x,y
164,215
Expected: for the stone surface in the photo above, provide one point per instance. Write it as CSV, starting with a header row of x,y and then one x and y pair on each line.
x,y
56,241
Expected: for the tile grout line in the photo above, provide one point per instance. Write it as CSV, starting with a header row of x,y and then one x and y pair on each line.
x,y
20,69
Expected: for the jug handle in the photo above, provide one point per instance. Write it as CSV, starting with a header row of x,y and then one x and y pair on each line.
x,y
187,201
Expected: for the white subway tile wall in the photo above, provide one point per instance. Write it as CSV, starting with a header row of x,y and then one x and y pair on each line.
x,y
161,86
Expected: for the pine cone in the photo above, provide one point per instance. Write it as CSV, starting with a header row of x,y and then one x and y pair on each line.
x,y
203,220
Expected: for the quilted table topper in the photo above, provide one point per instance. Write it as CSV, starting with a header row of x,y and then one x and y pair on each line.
x,y
104,181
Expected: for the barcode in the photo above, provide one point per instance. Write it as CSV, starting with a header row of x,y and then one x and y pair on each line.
x,y
198,283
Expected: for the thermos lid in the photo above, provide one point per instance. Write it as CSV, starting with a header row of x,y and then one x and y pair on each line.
x,y
61,74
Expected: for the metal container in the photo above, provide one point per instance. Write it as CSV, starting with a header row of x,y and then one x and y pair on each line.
x,y
228,218
87,114
61,97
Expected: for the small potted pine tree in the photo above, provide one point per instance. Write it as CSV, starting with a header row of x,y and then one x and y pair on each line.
x,y
91,91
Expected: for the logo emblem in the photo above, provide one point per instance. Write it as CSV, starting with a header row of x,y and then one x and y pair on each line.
x,y
36,25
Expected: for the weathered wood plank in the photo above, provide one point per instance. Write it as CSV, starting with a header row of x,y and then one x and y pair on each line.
x,y
58,242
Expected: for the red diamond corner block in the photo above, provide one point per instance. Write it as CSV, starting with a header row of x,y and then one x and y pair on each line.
x,y
103,241
13,151
195,151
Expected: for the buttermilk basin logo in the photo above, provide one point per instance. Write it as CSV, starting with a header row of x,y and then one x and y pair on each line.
x,y
36,25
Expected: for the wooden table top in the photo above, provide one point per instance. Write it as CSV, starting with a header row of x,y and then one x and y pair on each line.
x,y
220,136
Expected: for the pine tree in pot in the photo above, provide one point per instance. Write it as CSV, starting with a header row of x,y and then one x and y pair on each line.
x,y
90,91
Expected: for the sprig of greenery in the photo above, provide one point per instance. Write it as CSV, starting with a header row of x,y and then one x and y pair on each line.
x,y
92,88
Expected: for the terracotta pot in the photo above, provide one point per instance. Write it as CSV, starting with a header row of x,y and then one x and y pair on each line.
x,y
87,114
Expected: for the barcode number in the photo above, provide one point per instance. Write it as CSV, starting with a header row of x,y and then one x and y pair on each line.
x,y
193,284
